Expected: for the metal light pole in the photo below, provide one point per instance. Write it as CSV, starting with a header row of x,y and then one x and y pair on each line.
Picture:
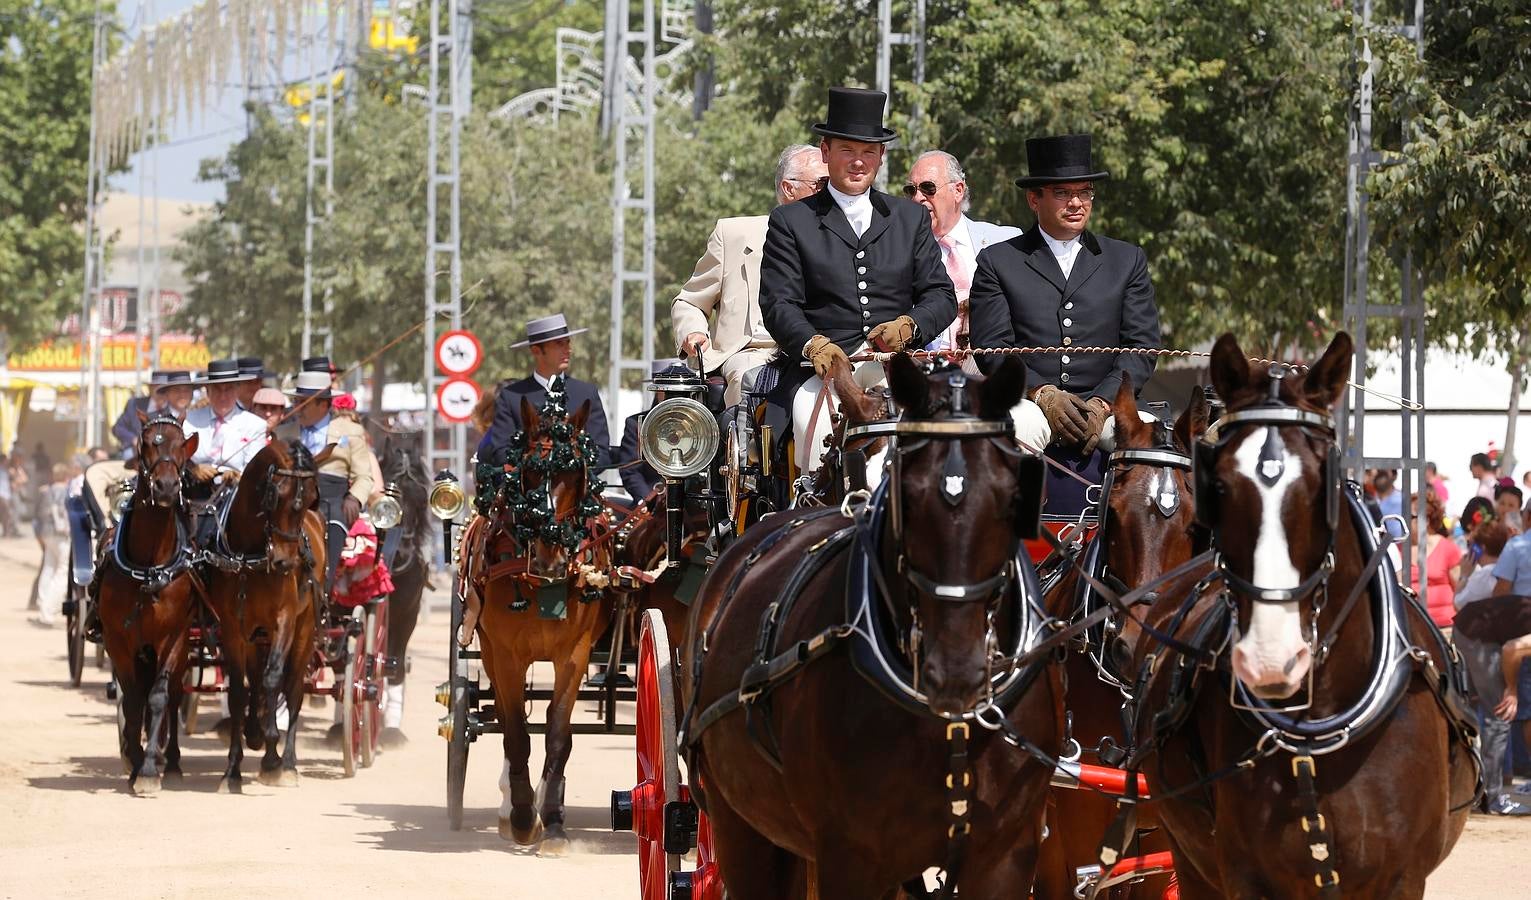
x,y
444,256
90,301
887,39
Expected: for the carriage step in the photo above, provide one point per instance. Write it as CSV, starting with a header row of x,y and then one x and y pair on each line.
x,y
469,654
622,680
622,695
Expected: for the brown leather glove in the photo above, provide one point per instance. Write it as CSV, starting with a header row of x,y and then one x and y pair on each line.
x,y
823,353
1066,414
1098,411
892,336
350,508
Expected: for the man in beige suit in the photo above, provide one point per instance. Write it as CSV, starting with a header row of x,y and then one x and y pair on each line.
x,y
726,282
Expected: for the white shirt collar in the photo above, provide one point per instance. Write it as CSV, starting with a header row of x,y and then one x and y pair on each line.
x,y
545,381
849,201
1058,247
959,235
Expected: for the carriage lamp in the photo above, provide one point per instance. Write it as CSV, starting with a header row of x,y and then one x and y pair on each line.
x,y
679,437
447,500
386,512
118,496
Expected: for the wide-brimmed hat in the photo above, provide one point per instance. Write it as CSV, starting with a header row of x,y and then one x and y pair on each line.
x,y
1058,160
252,366
311,384
547,328
159,378
268,397
224,371
856,115
173,377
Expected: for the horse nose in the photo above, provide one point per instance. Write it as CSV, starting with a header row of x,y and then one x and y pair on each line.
x,y
1121,654
1268,679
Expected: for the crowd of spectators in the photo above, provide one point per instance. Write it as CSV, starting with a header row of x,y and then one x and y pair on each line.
x,y
1481,557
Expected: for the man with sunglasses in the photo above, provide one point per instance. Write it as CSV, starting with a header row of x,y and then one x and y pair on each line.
x,y
726,282
937,182
1061,285
849,268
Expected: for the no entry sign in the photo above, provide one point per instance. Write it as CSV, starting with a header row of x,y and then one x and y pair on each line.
x,y
456,398
459,352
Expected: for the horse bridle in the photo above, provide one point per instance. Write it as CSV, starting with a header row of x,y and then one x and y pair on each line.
x,y
160,419
270,497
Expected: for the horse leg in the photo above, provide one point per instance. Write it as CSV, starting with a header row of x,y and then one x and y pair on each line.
x,y
518,809
173,745
999,873
559,743
752,866
131,696
239,699
271,687
403,615
294,691
148,780
255,736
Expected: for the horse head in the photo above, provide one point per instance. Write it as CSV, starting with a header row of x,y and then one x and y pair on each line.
x,y
163,449
954,531
1149,522
288,489
1268,488
552,480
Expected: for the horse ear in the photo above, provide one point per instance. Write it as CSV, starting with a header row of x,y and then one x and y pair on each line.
x,y
324,455
1131,430
1002,390
911,390
190,447
580,417
1192,423
1326,379
530,421
1230,370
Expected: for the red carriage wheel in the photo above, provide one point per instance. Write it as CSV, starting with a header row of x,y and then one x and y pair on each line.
x,y
371,685
641,810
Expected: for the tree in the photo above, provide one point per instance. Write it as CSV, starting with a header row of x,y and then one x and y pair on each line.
x,y
45,75
1458,194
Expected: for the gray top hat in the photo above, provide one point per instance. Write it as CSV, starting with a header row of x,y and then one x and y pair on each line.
x,y
547,328
225,371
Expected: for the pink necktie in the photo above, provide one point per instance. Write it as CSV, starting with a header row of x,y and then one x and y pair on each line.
x,y
961,279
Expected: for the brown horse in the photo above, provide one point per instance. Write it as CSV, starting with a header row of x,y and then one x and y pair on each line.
x,y
1316,738
146,596
855,752
264,585
1147,529
534,551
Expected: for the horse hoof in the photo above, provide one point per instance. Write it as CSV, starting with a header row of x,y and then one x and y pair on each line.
x,y
555,845
523,836
392,739
231,786
278,778
145,786
174,776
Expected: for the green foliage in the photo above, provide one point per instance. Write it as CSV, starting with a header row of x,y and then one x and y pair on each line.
x,y
45,56
1459,193
514,44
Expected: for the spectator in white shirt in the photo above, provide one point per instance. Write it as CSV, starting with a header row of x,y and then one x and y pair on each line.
x,y
229,436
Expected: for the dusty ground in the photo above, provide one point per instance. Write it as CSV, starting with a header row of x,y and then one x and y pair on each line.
x,y
69,828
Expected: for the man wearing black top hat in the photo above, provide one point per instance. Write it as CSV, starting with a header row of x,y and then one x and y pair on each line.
x,y
850,267
547,339
1061,285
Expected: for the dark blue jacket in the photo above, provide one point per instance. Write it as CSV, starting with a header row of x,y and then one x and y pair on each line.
x,y
507,413
638,479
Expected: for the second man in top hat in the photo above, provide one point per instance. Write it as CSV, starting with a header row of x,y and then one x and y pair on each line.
x,y
850,267
547,339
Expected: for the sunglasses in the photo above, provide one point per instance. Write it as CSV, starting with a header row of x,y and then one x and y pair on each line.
x,y
928,188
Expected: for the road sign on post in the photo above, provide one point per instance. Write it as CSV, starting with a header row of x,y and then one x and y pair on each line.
x,y
456,399
458,352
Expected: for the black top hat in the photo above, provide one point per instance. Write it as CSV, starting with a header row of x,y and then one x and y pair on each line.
x,y
856,115
252,366
1060,159
318,364
224,371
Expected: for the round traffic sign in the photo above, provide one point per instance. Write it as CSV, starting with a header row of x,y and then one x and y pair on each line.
x,y
459,352
456,398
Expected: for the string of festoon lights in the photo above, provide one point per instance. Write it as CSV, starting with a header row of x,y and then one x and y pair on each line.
x,y
173,70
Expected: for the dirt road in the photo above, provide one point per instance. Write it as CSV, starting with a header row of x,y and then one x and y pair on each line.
x,y
70,829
